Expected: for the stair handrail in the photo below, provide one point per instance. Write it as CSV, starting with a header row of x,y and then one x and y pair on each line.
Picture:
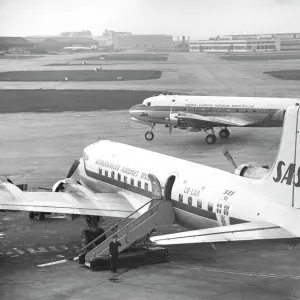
x,y
131,221
104,233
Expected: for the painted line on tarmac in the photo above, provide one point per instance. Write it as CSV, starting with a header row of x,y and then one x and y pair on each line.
x,y
53,263
227,271
19,251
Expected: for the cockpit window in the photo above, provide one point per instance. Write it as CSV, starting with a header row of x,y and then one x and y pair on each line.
x,y
138,105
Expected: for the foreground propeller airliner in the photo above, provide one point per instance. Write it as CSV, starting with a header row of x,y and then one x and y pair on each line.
x,y
217,205
196,113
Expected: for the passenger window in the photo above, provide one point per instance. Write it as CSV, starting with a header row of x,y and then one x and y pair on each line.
x,y
190,201
139,184
119,176
146,186
148,103
112,175
180,198
210,206
100,171
132,181
226,210
106,173
125,179
199,203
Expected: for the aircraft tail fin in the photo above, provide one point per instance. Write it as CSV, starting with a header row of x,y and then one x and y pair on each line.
x,y
283,181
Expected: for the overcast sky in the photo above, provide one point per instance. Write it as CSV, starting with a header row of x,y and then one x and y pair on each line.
x,y
194,18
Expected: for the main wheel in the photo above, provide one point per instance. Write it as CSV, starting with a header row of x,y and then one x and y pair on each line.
x,y
41,216
31,215
210,139
86,237
224,133
149,135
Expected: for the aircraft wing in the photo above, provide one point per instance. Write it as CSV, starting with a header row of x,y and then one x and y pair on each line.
x,y
101,204
224,120
240,232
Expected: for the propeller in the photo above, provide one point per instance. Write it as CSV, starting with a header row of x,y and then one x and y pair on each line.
x,y
229,157
169,119
22,187
73,168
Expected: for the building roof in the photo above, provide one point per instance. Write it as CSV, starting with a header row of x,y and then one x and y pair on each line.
x,y
9,41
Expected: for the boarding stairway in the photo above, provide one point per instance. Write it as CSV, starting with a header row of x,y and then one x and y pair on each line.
x,y
135,228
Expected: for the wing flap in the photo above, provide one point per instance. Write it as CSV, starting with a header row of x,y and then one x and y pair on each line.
x,y
102,204
239,232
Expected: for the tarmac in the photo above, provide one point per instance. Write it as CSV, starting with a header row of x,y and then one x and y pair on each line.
x,y
39,149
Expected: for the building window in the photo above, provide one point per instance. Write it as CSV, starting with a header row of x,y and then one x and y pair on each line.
x,y
210,206
112,175
119,176
106,173
132,181
139,184
146,186
180,198
125,179
199,203
190,201
100,171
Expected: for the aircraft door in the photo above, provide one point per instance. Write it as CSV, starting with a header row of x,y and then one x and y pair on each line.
x,y
222,213
168,188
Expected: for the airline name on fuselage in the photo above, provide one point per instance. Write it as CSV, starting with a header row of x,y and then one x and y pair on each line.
x,y
289,174
221,105
125,170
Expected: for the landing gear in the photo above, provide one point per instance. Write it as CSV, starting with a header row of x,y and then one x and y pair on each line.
x,y
224,133
149,135
41,215
89,235
210,139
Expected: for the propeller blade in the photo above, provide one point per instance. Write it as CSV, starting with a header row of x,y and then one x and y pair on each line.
x,y
8,180
229,157
170,129
73,168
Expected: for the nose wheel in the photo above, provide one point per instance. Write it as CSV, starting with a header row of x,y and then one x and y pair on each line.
x,y
149,135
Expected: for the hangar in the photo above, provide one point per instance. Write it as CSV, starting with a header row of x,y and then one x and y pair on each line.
x,y
7,42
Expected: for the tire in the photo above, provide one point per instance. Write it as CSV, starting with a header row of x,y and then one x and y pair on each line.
x,y
149,135
86,237
98,233
224,133
41,216
31,215
210,139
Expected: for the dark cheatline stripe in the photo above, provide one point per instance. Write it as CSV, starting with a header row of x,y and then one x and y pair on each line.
x,y
118,183
134,189
195,210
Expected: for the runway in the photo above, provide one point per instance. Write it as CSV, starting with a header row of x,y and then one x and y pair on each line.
x,y
39,148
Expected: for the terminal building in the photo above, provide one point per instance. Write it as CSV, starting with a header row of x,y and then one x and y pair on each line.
x,y
144,41
248,43
11,43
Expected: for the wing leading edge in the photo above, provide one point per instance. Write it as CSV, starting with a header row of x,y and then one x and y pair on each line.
x,y
240,232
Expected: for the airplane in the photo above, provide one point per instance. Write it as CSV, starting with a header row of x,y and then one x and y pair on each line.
x,y
79,48
197,113
216,205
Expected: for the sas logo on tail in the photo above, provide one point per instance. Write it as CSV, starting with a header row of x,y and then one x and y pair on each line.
x,y
288,175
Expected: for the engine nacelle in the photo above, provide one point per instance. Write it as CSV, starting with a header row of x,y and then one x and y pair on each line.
x,y
252,171
193,129
173,119
58,186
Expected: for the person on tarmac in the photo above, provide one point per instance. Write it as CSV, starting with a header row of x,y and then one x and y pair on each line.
x,y
114,253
